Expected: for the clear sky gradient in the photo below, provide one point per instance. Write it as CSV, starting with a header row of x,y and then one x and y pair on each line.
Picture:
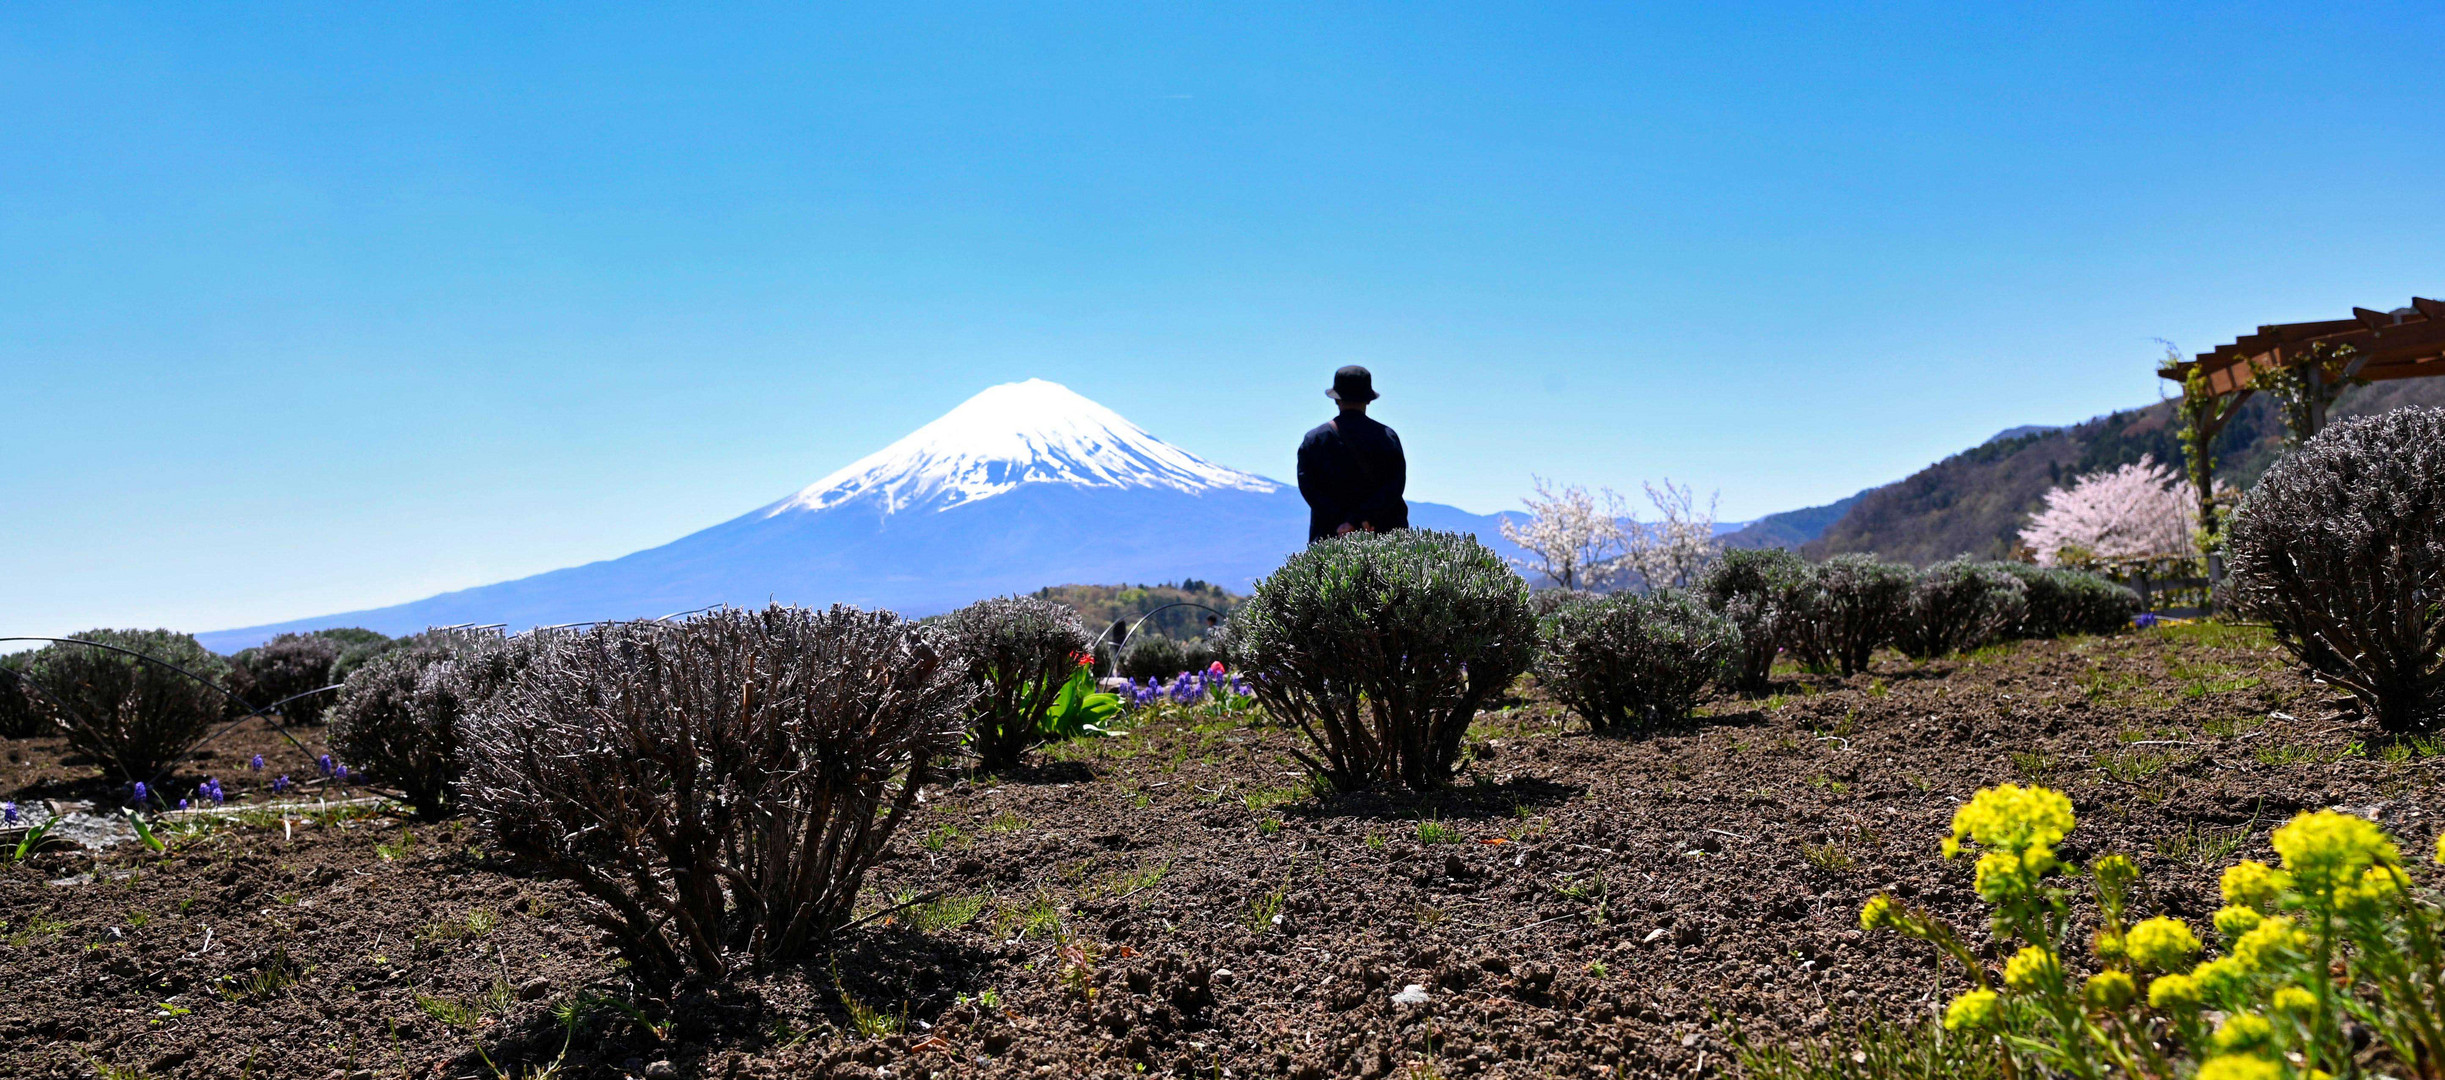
x,y
321,307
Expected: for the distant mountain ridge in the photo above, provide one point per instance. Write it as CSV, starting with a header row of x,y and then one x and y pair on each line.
x,y
1023,486
1975,502
1791,528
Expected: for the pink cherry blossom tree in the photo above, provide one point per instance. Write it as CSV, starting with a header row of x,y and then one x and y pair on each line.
x,y
2137,511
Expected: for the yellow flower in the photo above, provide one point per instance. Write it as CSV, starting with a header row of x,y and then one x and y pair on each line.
x,y
2244,1033
2174,993
2324,850
2234,920
2109,990
1978,1010
2008,817
2109,945
2032,969
2239,1067
2264,947
2441,847
2161,944
2252,883
2114,871
2003,874
2293,999
2220,979
1878,914
2378,886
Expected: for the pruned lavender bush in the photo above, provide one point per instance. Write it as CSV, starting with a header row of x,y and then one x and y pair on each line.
x,y
1630,663
1544,602
1382,647
1018,651
1854,604
136,717
400,717
718,788
1764,592
1959,605
1155,656
19,718
2341,549
286,667
2059,602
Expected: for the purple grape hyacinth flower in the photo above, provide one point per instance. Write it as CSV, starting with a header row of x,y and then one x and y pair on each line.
x,y
140,793
325,763
182,804
256,764
8,813
340,773
279,785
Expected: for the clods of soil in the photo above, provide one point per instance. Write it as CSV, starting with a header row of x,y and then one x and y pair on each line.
x,y
1179,902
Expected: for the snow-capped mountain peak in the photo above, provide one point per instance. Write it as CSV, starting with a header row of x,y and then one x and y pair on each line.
x,y
1033,432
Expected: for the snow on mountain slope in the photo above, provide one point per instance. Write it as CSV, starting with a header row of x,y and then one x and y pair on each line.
x,y
1022,486
1033,432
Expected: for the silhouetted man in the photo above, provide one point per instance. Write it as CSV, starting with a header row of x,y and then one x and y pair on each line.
x,y
1350,469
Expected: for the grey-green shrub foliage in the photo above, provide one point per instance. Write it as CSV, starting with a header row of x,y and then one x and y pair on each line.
x,y
284,667
1382,647
1155,656
718,788
137,718
1957,605
400,717
1764,592
1853,605
1626,662
1018,651
2341,549
2060,602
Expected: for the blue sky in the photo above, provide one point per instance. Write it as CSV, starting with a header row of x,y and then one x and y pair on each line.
x,y
309,310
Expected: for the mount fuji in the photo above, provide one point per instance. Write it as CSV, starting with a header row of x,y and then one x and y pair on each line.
x,y
1025,485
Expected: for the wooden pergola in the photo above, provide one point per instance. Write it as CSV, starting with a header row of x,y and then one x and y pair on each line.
x,y
2406,343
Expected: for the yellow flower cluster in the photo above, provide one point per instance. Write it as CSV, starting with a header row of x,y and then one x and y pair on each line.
x,y
2253,884
2244,1033
2294,999
2239,1067
2009,817
2221,978
2234,920
2325,851
2161,944
2003,875
2377,888
1978,1010
2172,992
2032,969
1878,914
2264,947
2109,990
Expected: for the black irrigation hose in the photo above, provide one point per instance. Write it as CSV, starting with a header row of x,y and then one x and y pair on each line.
x,y
215,687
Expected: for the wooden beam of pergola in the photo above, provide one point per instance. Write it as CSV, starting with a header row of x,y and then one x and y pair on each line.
x,y
2386,345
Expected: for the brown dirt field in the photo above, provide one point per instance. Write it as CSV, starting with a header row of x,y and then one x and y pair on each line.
x,y
1176,902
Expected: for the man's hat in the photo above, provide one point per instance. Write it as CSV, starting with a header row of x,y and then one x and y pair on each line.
x,y
1352,386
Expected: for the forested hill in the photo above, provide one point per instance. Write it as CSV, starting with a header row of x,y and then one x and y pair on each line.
x,y
1975,502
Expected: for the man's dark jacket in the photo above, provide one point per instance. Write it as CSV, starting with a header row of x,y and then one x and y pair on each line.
x,y
1351,470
